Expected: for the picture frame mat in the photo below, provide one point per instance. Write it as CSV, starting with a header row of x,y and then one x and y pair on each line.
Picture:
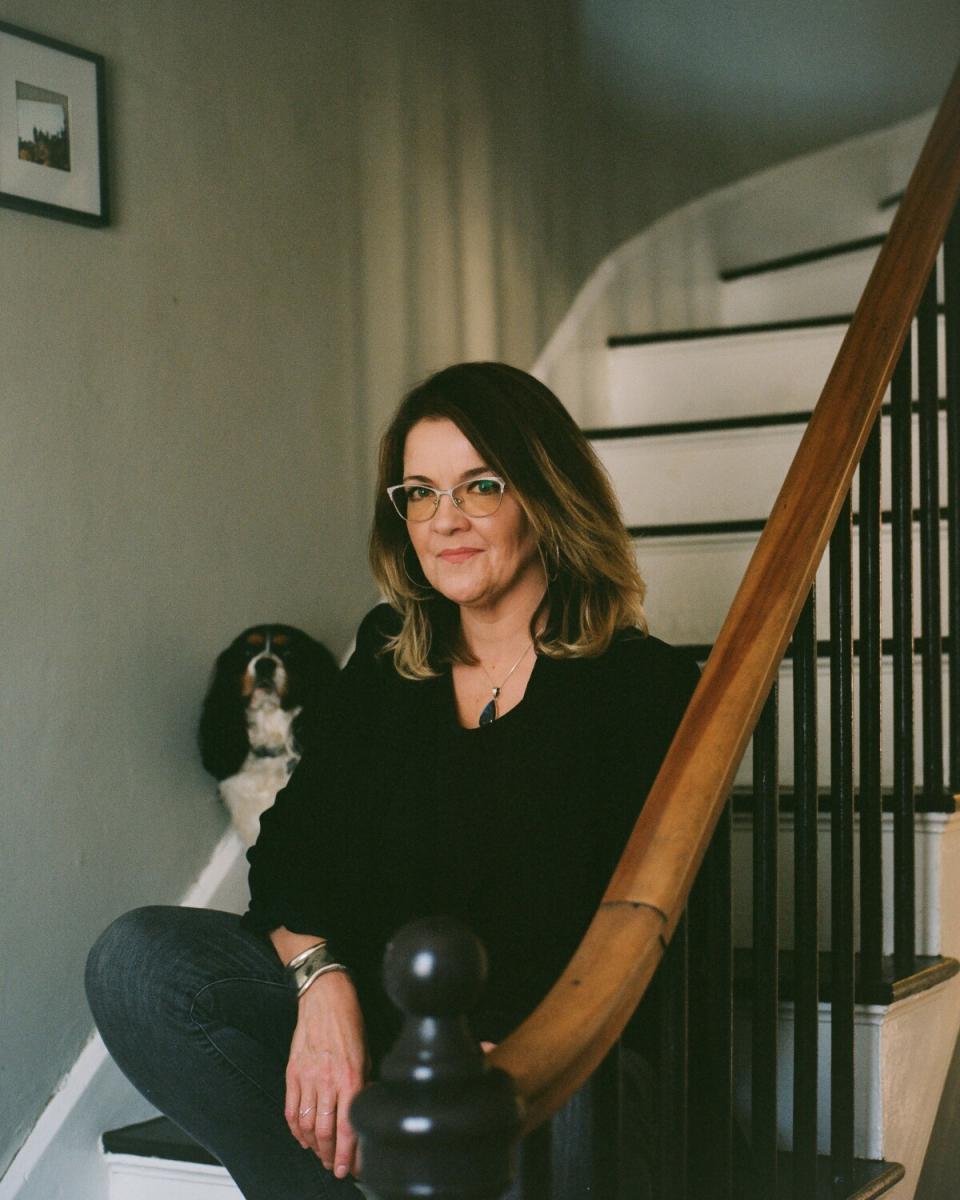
x,y
43,66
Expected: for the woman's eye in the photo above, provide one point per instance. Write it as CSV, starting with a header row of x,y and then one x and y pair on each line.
x,y
419,493
485,487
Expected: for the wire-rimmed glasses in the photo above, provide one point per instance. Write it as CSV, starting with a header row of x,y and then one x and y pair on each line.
x,y
478,497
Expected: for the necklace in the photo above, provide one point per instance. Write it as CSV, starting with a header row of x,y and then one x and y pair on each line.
x,y
489,712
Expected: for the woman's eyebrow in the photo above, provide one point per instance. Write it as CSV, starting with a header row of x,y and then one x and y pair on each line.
x,y
471,474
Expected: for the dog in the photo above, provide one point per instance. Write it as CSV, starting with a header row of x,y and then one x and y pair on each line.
x,y
262,713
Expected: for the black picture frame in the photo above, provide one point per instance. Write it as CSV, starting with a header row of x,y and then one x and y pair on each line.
x,y
58,168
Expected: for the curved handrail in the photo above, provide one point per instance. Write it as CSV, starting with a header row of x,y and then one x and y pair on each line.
x,y
571,1031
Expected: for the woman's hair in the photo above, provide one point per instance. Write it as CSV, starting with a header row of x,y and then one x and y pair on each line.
x,y
522,431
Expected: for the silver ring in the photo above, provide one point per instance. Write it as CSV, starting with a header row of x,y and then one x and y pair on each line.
x,y
325,1112
306,1111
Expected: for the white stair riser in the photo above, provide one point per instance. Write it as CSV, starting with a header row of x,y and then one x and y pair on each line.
x,y
134,1178
832,285
691,582
725,376
744,774
724,475
901,1054
937,835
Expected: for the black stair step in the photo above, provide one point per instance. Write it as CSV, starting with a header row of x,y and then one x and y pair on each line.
x,y
157,1138
891,201
870,1179
619,340
610,433
701,650
742,798
739,525
714,331
802,257
928,971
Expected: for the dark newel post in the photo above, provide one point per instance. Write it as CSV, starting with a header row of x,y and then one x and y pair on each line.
x,y
441,1122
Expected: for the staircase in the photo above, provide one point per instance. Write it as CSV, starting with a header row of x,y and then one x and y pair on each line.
x,y
707,423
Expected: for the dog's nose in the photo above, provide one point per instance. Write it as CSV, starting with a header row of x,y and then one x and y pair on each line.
x,y
265,668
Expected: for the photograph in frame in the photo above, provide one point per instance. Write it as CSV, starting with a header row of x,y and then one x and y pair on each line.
x,y
53,159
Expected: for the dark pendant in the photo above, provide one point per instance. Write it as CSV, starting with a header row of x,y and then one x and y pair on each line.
x,y
489,714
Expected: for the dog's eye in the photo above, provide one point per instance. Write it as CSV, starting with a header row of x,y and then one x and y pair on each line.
x,y
255,640
280,639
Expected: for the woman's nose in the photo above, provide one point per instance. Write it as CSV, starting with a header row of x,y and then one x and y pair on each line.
x,y
449,516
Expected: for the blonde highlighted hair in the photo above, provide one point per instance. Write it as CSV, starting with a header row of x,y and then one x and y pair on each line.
x,y
523,432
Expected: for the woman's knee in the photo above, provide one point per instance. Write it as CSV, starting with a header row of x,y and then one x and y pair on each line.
x,y
121,964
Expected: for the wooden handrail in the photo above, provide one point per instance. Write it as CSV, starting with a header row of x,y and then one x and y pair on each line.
x,y
569,1034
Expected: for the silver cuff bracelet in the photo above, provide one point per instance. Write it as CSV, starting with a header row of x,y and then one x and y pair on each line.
x,y
309,965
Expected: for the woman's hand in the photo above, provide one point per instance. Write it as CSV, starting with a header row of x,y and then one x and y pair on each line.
x,y
326,1069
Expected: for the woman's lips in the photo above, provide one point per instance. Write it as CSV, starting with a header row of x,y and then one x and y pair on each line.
x,y
459,555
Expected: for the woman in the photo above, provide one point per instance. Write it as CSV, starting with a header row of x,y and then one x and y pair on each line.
x,y
489,746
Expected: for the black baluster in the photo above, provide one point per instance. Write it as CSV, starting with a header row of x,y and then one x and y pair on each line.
x,y
930,631
711,1021
671,990
901,485
869,657
951,291
806,956
766,991
441,1121
841,848
586,1136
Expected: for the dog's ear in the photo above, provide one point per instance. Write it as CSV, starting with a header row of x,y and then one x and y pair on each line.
x,y
222,735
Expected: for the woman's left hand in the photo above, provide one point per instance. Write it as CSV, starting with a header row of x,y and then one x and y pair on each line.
x,y
327,1067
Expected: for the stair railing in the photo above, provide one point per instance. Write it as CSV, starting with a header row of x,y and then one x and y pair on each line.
x,y
573,1030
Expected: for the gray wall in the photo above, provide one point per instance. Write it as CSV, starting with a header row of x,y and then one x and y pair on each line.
x,y
316,203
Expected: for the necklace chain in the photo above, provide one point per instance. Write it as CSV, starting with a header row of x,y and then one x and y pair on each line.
x,y
489,710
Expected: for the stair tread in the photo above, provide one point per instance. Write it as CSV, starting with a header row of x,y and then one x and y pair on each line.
x,y
803,257
620,340
157,1138
893,986
742,798
871,1178
606,433
737,525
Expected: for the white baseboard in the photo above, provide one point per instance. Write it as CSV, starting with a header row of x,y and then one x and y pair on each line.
x,y
61,1159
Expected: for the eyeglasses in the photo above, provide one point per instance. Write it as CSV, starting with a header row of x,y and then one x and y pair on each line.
x,y
475,498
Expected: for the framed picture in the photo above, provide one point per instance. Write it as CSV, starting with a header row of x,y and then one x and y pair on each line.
x,y
53,149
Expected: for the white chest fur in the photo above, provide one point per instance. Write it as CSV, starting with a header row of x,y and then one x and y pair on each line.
x,y
266,769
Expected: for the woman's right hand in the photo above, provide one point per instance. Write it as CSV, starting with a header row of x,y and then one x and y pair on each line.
x,y
327,1067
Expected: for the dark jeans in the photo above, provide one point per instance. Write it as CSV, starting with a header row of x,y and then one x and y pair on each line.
x,y
198,1014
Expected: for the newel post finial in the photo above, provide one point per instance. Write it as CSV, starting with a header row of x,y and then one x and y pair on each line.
x,y
440,1122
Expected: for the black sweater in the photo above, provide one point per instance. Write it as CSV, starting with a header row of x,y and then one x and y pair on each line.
x,y
514,828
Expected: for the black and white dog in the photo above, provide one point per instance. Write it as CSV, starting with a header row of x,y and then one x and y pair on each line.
x,y
262,713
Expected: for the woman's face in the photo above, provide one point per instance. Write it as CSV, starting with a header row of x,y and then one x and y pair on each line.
x,y
477,562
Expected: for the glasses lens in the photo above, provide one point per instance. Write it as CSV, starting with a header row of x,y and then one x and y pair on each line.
x,y
479,497
414,502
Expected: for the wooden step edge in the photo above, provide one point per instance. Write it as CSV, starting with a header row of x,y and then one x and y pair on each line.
x,y
606,433
871,1178
701,650
803,257
670,529
894,985
157,1138
944,804
620,340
